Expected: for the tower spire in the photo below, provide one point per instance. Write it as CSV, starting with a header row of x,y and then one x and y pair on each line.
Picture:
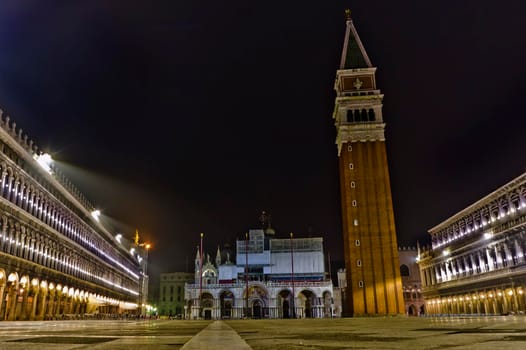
x,y
218,257
353,54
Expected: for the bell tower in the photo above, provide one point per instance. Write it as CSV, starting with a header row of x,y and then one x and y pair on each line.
x,y
374,286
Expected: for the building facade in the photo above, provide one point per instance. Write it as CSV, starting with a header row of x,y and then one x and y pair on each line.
x,y
411,282
171,293
269,278
56,257
370,246
476,262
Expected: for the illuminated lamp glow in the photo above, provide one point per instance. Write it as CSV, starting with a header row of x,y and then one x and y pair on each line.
x,y
487,235
34,282
45,161
510,293
118,237
445,252
12,277
95,214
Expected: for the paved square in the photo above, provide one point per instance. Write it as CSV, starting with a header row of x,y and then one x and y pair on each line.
x,y
506,332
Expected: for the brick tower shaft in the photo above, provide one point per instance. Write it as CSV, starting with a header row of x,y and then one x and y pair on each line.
x,y
374,285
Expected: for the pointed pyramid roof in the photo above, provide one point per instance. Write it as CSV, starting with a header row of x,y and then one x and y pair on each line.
x,y
218,256
353,54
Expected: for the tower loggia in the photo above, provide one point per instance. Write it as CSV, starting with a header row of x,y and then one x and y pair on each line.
x,y
371,253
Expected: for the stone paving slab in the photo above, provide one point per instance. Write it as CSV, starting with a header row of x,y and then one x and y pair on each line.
x,y
217,336
385,333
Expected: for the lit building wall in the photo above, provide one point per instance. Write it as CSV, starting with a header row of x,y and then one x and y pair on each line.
x,y
411,282
476,263
56,258
171,293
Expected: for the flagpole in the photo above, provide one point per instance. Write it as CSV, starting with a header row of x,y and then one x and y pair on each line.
x,y
292,266
246,274
201,273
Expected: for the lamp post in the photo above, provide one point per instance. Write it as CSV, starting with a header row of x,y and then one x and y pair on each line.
x,y
292,277
145,279
246,274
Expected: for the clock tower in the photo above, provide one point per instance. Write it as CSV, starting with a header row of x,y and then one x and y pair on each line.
x,y
374,286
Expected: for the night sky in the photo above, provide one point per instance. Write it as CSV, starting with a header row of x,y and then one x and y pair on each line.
x,y
181,117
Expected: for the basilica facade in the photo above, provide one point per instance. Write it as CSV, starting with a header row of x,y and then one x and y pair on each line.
x,y
57,259
266,277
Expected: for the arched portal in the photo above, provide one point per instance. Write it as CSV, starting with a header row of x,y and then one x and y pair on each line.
x,y
306,299
226,299
285,303
11,297
257,309
207,303
412,311
257,293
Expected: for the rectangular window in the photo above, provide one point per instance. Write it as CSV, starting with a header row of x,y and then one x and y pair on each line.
x,y
351,166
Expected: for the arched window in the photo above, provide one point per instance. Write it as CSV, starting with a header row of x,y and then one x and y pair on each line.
x,y
364,115
372,117
404,270
349,116
357,117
